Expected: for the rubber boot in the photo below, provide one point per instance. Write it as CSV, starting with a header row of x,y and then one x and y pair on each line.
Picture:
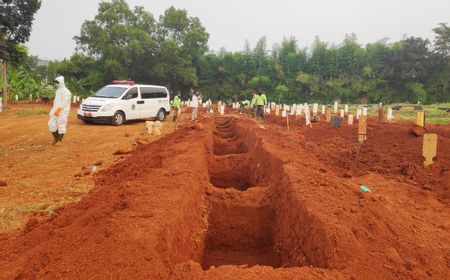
x,y
60,138
55,137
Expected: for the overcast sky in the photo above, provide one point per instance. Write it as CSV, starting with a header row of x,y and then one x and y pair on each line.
x,y
230,22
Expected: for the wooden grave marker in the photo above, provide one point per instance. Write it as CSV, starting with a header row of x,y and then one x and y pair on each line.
x,y
328,116
429,148
381,115
421,118
362,128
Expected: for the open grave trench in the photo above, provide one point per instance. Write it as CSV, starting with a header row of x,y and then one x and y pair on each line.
x,y
252,219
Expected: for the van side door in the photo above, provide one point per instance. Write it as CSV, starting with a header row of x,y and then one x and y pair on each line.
x,y
131,104
150,97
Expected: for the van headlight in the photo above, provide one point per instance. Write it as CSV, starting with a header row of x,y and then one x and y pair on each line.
x,y
107,107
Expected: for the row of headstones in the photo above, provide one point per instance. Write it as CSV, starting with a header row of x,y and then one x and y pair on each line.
x,y
206,104
298,109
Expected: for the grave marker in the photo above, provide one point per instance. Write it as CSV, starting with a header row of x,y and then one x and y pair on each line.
x,y
350,119
277,110
308,117
342,113
323,109
358,114
421,118
346,109
315,109
390,116
328,116
364,111
336,121
362,129
429,148
17,97
335,110
381,115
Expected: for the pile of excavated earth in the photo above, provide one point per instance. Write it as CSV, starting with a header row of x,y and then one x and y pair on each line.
x,y
231,199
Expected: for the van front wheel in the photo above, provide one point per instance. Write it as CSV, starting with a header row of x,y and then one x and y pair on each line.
x,y
118,118
161,115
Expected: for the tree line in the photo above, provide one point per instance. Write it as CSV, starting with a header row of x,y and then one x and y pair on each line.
x,y
129,43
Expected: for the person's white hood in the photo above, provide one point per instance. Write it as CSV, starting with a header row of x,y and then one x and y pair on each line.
x,y
60,81
62,97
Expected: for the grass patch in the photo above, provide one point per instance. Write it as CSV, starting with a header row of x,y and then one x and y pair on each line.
x,y
433,115
32,112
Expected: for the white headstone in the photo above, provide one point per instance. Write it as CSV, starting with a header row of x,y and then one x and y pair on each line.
x,y
335,109
307,117
74,99
342,113
283,113
31,98
358,113
17,97
364,111
298,110
350,119
315,108
78,98
323,109
390,116
346,108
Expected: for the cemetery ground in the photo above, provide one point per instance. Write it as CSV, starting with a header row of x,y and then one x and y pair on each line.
x,y
227,198
40,177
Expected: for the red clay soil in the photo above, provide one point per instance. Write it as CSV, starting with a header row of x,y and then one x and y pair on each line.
x,y
237,201
391,150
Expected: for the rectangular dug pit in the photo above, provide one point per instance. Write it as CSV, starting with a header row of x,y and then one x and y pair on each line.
x,y
231,171
228,147
240,231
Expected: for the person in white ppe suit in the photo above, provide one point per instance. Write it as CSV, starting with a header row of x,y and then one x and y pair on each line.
x,y
60,111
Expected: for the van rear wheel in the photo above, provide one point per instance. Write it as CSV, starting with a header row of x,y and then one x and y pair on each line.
x,y
161,115
118,118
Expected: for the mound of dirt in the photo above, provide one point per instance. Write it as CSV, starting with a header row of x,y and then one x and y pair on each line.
x,y
233,201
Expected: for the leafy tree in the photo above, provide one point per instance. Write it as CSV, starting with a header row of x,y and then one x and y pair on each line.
x,y
442,41
15,28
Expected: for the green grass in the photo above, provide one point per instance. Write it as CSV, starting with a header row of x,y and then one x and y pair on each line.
x,y
32,112
432,114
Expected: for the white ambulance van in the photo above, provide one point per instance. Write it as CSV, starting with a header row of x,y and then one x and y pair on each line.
x,y
124,100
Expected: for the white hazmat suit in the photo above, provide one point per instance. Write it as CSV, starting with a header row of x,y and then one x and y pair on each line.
x,y
60,111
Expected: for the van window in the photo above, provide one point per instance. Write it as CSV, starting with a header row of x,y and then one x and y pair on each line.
x,y
132,93
110,92
150,92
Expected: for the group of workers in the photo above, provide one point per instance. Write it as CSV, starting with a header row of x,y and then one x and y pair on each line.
x,y
259,100
194,104
257,104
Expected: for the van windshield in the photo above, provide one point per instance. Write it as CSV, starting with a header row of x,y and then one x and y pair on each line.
x,y
110,92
